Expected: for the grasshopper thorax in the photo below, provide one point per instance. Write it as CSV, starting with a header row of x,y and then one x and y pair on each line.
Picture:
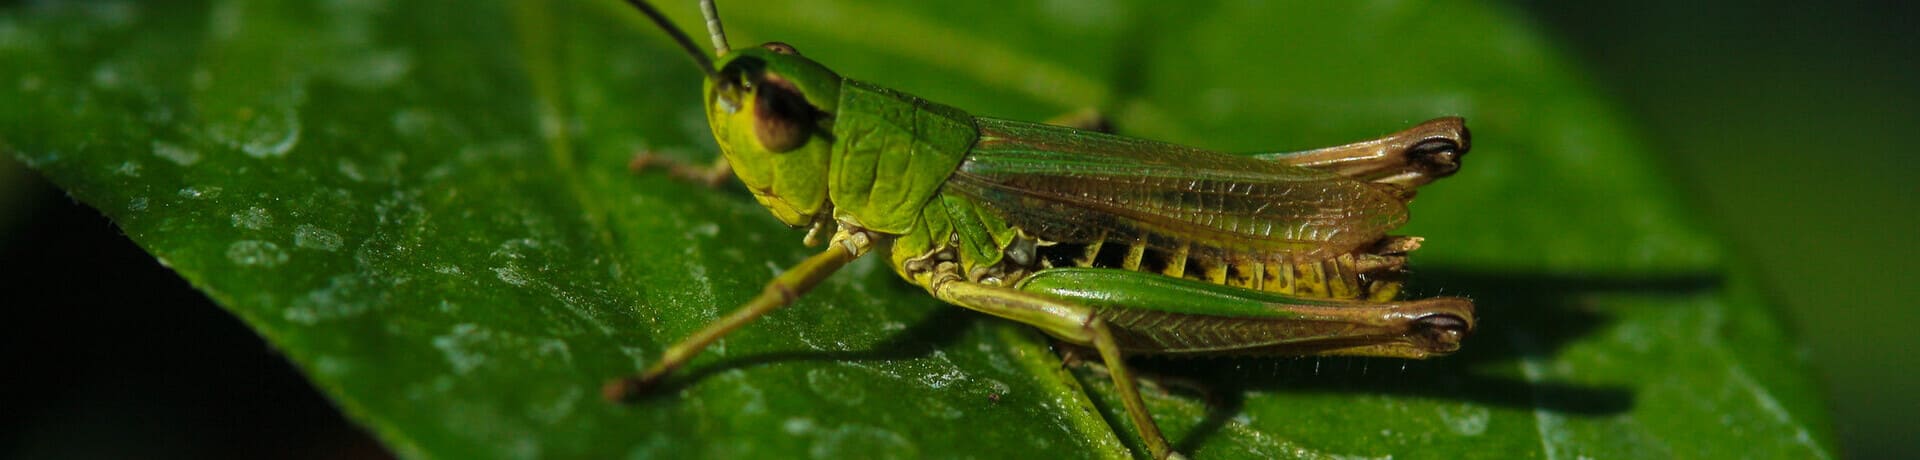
x,y
772,112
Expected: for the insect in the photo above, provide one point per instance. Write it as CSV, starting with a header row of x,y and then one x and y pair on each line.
x,y
1120,245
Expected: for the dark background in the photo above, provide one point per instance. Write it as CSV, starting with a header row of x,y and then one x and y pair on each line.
x,y
1793,125
1789,125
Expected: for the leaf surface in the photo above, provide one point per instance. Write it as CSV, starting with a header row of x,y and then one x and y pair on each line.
x,y
426,206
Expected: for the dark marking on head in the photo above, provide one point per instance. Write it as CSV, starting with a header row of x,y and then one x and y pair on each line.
x,y
783,120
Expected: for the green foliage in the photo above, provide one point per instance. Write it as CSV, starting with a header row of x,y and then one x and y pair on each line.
x,y
425,205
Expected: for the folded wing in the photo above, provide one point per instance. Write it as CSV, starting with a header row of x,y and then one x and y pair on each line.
x,y
1074,186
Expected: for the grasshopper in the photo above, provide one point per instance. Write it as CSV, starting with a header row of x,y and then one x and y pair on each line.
x,y
1125,246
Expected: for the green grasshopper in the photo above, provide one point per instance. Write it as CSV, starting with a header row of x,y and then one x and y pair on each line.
x,y
1121,245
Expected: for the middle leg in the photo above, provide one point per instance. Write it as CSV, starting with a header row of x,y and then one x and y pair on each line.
x,y
1072,323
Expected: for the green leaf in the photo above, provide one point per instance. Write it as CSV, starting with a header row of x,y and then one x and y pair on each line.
x,y
426,206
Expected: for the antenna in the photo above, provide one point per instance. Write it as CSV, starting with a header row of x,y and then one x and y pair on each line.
x,y
699,58
713,28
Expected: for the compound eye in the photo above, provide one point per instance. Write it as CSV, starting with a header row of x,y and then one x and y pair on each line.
x,y
781,48
782,118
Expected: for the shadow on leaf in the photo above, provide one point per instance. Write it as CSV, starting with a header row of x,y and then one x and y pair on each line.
x,y
939,329
1521,317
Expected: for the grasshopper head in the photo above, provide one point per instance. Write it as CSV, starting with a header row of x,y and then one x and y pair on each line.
x,y
772,113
